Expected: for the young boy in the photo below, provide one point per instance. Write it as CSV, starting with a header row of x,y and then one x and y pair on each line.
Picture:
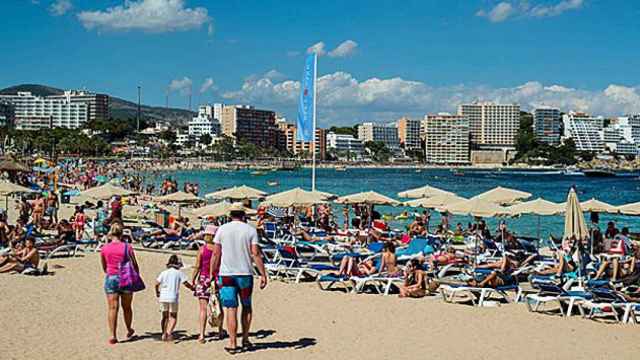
x,y
167,292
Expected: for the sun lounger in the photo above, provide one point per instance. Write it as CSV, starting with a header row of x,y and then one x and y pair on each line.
x,y
288,265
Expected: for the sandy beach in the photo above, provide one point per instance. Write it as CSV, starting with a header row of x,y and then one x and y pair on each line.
x,y
64,316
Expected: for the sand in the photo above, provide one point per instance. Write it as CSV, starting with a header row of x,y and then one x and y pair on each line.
x,y
63,316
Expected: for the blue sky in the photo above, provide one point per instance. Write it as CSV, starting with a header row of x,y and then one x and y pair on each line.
x,y
382,59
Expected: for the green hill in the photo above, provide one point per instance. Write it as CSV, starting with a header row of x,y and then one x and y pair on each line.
x,y
120,108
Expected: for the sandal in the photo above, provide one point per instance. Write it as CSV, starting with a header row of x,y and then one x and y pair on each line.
x,y
113,341
131,334
232,351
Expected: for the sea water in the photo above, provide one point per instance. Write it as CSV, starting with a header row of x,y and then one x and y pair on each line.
x,y
552,187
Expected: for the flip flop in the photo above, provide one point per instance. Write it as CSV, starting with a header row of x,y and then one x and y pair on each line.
x,y
113,341
232,351
247,344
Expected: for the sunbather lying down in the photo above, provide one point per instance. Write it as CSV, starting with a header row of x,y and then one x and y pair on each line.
x,y
310,238
565,265
500,276
26,258
441,258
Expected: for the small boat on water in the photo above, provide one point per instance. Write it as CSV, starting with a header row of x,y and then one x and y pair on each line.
x,y
340,168
257,173
273,183
418,171
599,173
457,172
572,171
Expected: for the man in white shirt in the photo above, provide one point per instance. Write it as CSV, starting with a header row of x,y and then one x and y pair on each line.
x,y
235,251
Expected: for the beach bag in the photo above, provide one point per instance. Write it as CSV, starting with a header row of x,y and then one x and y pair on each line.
x,y
130,280
215,310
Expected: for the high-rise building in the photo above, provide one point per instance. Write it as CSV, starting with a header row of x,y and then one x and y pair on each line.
x,y
36,112
409,133
345,145
492,124
447,139
289,133
69,110
245,123
547,125
97,104
204,123
585,131
373,132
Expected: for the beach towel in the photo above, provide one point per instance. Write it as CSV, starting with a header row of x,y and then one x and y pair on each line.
x,y
215,310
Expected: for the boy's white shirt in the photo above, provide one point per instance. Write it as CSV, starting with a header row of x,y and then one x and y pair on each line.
x,y
170,281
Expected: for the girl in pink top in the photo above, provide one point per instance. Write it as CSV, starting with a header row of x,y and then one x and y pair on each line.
x,y
202,280
79,222
112,254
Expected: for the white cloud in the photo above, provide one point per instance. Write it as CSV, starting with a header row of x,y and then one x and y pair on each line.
x,y
523,8
347,48
499,13
317,48
558,88
146,15
343,99
206,85
557,9
182,85
60,7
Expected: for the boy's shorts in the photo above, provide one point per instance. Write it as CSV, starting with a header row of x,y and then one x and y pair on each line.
x,y
170,307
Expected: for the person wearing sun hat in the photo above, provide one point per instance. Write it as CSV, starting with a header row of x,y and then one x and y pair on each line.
x,y
235,250
202,277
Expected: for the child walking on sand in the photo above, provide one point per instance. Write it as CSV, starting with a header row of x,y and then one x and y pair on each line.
x,y
167,292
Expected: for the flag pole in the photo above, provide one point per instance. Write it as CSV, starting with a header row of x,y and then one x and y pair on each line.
x,y
313,156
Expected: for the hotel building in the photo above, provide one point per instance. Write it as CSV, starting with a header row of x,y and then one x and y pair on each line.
x,y
447,139
492,124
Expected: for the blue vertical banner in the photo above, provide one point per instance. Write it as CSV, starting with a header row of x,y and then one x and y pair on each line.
x,y
306,106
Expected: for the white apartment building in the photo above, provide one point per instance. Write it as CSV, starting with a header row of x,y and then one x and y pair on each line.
x,y
547,125
409,133
373,132
621,136
585,130
345,144
492,124
205,122
447,139
35,112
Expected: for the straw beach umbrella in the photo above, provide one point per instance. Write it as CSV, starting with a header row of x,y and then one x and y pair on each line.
x,y
476,207
10,165
219,209
598,206
106,192
423,192
179,197
630,209
503,196
435,201
575,226
237,193
296,197
539,207
574,223
7,188
367,198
